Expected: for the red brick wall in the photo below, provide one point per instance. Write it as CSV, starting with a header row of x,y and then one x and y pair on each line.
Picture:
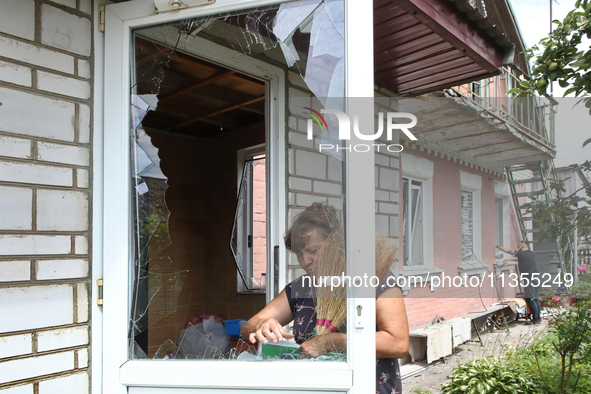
x,y
260,220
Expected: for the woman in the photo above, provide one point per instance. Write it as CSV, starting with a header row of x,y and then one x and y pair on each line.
x,y
305,238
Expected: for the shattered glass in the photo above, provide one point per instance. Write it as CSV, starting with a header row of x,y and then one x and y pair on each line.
x,y
174,290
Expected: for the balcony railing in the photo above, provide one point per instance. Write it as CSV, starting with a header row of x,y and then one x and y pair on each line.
x,y
533,116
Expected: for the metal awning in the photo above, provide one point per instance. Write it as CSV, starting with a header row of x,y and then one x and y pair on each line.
x,y
427,45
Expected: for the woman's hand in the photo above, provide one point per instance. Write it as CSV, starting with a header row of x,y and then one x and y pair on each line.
x,y
267,325
322,344
269,329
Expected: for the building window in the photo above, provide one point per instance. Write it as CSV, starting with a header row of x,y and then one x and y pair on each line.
x,y
249,233
499,223
467,212
412,236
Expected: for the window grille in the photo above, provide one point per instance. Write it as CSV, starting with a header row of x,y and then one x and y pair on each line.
x,y
467,225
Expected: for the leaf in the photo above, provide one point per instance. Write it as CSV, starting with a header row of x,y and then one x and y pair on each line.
x,y
587,142
568,91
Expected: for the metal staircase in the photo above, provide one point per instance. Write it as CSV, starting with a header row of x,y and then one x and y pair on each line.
x,y
530,183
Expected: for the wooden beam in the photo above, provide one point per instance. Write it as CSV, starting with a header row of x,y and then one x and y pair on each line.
x,y
221,111
182,118
195,86
454,27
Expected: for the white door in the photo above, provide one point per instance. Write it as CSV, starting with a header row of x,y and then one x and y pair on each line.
x,y
122,371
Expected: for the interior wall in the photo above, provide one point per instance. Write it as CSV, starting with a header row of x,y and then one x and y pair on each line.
x,y
201,196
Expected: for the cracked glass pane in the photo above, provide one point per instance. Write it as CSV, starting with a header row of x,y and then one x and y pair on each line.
x,y
200,131
244,240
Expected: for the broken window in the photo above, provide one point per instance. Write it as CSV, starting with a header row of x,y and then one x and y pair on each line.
x,y
190,117
248,240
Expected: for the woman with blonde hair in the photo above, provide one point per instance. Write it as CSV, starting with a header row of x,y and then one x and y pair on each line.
x,y
306,237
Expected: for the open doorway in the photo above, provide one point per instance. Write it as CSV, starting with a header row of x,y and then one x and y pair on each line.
x,y
197,121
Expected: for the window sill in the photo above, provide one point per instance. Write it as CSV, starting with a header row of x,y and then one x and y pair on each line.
x,y
468,268
421,276
246,375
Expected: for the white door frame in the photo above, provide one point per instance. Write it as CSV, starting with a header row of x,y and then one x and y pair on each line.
x,y
119,373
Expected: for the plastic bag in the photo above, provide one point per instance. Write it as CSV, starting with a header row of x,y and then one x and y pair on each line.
x,y
207,340
218,335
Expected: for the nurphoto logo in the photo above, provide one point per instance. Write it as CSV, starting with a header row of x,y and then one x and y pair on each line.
x,y
345,130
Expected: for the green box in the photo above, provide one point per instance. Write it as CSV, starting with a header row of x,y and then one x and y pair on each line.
x,y
276,350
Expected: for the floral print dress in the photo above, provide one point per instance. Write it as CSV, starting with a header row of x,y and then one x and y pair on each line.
x,y
303,309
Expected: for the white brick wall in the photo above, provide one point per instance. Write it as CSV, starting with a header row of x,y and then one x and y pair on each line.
x,y
45,306
27,53
19,245
63,85
61,210
15,147
14,271
16,345
83,124
81,245
77,383
13,370
62,338
82,302
26,389
36,174
61,269
14,73
65,154
82,179
66,31
17,110
45,142
16,208
18,22
82,358
310,164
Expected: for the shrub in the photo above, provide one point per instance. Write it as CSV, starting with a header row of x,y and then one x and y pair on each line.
x,y
491,375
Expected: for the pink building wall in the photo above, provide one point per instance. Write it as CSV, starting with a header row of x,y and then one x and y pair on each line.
x,y
423,306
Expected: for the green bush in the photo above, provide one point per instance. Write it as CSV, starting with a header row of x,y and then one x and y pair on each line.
x,y
583,287
491,375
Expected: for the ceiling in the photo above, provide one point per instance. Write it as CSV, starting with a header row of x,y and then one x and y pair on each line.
x,y
195,97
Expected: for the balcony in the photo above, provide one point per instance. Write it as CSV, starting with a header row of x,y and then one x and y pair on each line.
x,y
478,120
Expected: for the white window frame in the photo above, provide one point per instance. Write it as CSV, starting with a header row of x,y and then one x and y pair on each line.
x,y
243,156
119,373
473,183
420,211
502,190
421,170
